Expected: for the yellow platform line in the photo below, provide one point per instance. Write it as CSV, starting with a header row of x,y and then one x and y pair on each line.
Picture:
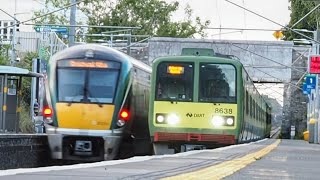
x,y
226,168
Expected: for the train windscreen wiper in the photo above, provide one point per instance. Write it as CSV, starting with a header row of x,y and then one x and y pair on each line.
x,y
87,92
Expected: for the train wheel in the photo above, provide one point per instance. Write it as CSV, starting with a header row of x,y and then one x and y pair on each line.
x,y
160,149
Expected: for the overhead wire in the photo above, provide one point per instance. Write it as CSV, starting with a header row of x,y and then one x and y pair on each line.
x,y
288,28
244,19
219,17
242,29
270,88
46,14
266,58
279,79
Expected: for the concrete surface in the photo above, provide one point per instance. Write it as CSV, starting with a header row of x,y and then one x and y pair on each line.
x,y
292,159
155,168
256,56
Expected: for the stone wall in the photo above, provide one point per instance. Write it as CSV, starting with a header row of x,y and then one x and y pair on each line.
x,y
295,107
23,151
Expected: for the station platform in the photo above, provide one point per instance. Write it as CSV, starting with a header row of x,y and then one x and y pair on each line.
x,y
265,159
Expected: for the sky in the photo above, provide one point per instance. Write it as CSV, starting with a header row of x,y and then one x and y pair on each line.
x,y
24,8
224,14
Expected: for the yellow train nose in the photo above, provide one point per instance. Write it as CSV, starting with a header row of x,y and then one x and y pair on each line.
x,y
84,116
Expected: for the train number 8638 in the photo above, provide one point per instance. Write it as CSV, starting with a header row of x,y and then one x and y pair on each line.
x,y
223,110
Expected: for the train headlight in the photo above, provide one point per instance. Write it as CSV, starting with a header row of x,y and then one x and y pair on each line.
x,y
217,121
160,119
121,123
230,121
173,119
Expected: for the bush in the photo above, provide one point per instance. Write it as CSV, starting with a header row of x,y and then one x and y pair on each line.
x,y
26,124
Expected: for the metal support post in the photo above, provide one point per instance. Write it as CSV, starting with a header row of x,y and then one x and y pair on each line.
x,y
129,43
19,96
13,47
33,87
4,107
316,112
317,50
72,23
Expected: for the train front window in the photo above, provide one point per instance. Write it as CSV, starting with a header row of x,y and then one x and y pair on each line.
x,y
87,81
71,84
175,81
217,83
102,86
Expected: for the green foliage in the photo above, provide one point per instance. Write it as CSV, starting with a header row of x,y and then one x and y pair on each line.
x,y
55,18
4,54
153,16
26,63
25,124
299,135
300,8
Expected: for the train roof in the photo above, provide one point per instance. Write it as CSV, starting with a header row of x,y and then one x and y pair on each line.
x,y
97,52
182,58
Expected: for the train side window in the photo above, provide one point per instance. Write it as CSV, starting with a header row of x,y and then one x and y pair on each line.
x,y
255,109
247,103
259,113
135,71
250,105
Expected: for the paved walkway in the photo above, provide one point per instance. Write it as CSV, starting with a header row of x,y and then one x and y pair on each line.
x,y
266,159
292,159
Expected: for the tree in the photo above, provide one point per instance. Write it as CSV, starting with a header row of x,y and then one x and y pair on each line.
x,y
55,18
4,54
300,8
153,16
26,63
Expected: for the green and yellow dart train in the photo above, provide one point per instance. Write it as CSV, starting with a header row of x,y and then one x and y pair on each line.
x,y
203,100
96,98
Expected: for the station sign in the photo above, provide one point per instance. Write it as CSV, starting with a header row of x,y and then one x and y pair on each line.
x,y
305,89
314,64
311,81
61,30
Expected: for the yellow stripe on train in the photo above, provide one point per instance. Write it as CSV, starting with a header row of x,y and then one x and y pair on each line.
x,y
195,115
84,116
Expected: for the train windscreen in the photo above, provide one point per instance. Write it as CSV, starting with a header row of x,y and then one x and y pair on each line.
x,y
87,82
175,81
217,83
